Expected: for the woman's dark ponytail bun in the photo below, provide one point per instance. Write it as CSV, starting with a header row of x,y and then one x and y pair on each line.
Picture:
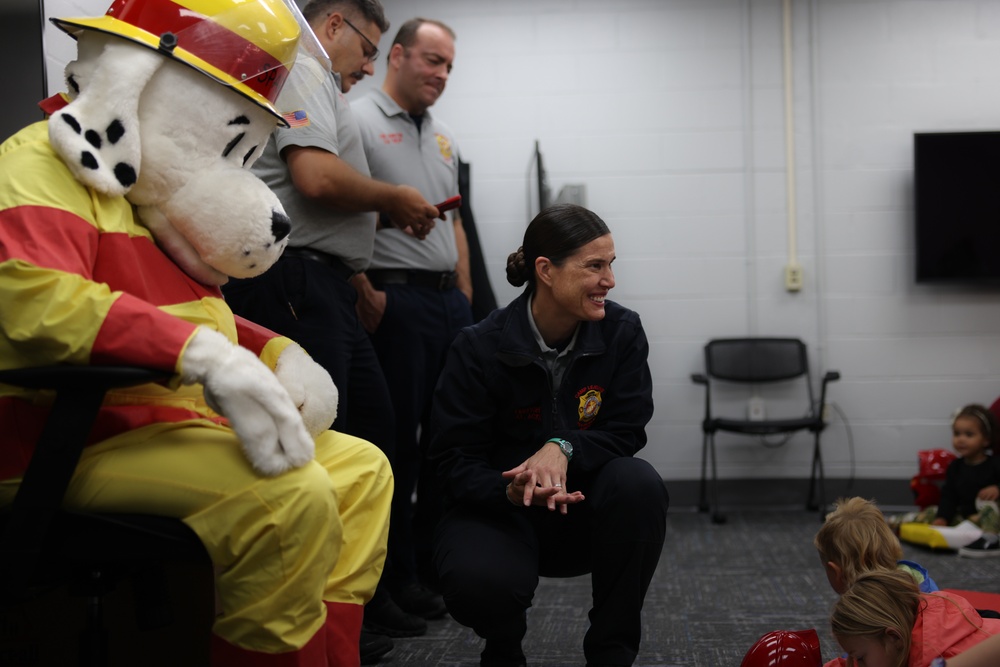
x,y
517,272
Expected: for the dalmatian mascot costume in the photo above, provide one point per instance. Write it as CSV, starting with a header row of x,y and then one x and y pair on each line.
x,y
120,217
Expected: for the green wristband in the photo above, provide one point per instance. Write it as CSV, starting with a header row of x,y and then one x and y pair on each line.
x,y
565,446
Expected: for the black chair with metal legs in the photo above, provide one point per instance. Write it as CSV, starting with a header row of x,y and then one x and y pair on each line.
x,y
43,545
760,361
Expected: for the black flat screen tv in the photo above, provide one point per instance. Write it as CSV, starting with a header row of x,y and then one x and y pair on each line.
x,y
957,192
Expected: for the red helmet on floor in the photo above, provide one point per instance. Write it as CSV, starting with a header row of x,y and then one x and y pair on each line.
x,y
785,648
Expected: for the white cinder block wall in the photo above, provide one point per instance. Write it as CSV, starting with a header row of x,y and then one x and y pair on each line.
x,y
671,112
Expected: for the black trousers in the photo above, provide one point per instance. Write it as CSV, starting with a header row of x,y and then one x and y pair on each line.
x,y
411,341
310,303
489,563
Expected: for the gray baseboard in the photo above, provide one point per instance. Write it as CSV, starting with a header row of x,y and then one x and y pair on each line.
x,y
790,493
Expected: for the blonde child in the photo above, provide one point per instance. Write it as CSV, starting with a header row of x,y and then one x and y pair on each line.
x,y
883,620
855,539
972,482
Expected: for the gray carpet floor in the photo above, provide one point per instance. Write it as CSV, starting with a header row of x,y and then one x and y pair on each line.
x,y
717,589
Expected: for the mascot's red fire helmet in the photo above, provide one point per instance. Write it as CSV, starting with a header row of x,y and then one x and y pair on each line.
x,y
247,45
785,648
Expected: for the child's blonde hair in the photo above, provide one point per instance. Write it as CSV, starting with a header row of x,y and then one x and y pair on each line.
x,y
856,538
877,602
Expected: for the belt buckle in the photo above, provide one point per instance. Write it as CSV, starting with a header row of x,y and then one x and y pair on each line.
x,y
446,281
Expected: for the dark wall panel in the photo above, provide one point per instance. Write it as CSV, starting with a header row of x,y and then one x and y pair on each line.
x,y
24,70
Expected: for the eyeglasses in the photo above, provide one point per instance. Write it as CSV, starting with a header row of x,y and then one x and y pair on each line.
x,y
373,54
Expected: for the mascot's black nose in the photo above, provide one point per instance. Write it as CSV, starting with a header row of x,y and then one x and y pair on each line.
x,y
281,226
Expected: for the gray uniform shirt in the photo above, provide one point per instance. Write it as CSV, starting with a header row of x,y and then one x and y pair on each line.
x,y
426,159
556,360
329,125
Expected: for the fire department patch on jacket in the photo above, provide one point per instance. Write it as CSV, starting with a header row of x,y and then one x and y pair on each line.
x,y
590,405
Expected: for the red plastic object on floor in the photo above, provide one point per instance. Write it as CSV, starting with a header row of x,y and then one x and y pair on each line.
x,y
785,648
926,484
978,599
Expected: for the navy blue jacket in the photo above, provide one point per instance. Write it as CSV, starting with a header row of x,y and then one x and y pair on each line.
x,y
494,406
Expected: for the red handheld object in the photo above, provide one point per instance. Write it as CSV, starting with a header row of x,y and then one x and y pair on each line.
x,y
449,204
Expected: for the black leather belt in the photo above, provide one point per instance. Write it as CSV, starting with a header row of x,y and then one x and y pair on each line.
x,y
335,263
435,280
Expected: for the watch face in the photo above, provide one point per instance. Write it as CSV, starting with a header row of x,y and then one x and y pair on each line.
x,y
565,446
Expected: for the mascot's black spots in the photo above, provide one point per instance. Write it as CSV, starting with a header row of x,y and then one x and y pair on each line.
x,y
246,158
72,122
115,131
281,226
93,138
71,81
240,120
88,160
232,144
125,174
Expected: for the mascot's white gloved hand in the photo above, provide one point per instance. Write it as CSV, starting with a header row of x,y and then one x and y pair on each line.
x,y
310,387
240,387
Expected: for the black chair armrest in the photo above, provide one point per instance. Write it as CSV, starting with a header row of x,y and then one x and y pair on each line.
x,y
698,378
77,378
829,376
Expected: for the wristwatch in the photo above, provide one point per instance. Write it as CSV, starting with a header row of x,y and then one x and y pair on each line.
x,y
565,446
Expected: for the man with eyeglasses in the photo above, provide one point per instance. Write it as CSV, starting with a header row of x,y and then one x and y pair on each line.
x,y
317,168
415,296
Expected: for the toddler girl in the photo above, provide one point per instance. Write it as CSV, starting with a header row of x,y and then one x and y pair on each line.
x,y
972,482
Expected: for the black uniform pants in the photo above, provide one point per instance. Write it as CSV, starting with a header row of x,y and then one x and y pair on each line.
x,y
411,341
489,562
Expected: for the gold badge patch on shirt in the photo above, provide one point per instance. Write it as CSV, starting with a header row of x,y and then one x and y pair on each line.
x,y
590,405
445,147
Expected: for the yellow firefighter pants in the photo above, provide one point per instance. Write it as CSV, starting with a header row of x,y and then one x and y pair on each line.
x,y
281,545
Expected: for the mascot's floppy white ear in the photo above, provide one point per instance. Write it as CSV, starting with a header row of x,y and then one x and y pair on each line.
x,y
97,134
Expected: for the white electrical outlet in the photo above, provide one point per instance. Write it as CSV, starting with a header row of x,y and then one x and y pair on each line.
x,y
793,277
755,409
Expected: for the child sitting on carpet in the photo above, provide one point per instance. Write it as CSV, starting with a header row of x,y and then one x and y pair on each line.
x,y
855,539
883,620
972,483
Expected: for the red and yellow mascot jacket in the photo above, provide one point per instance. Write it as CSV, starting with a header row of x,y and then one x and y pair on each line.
x,y
83,282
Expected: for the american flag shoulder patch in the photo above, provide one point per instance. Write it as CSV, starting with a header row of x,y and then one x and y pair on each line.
x,y
296,118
